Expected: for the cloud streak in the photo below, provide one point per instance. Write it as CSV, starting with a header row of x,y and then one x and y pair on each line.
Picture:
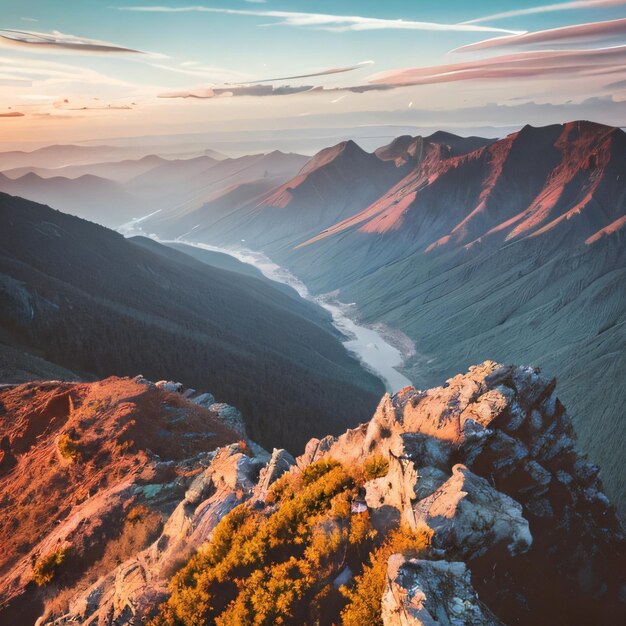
x,y
322,21
204,93
534,64
56,40
326,72
592,31
549,8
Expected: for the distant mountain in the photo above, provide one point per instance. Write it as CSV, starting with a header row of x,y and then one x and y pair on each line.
x,y
87,299
205,196
91,197
56,156
332,185
118,171
476,249
113,193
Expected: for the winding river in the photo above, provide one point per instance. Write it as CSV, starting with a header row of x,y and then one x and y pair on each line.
x,y
368,344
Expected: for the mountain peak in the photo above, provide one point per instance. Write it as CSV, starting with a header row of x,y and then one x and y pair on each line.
x,y
343,151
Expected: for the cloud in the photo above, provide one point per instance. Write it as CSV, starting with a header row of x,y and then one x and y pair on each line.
x,y
537,64
30,71
57,40
592,31
321,21
67,105
326,72
549,8
12,114
229,92
619,84
28,19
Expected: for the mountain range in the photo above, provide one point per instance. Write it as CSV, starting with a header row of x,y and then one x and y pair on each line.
x,y
510,249
84,298
132,494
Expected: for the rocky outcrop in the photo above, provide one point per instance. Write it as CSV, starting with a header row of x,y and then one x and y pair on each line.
x,y
488,462
520,527
468,517
431,593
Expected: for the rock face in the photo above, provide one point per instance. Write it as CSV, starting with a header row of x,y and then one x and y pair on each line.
x,y
488,462
521,530
431,593
77,461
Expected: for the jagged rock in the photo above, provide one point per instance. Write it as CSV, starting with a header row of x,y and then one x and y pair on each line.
x,y
469,517
231,416
314,450
204,399
143,381
280,462
429,479
431,593
136,586
170,385
482,461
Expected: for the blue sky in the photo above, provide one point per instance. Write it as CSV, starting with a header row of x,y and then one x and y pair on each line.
x,y
97,68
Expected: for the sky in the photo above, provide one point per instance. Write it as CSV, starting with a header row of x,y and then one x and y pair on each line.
x,y
77,70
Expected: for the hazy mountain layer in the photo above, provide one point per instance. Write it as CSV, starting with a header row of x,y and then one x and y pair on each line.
x,y
89,300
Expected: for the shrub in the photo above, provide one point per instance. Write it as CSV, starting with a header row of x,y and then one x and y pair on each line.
x,y
268,570
70,448
279,567
376,466
46,567
364,598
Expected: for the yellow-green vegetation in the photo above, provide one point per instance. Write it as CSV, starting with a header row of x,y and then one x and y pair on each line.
x,y
364,597
270,569
70,448
46,567
376,466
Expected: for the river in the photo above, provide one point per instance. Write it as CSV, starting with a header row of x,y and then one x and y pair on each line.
x,y
368,344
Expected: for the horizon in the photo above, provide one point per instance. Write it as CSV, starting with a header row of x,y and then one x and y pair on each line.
x,y
133,70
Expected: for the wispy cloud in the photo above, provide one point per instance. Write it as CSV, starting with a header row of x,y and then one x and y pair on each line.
x,y
587,33
12,114
57,40
322,21
95,105
203,93
31,71
549,8
532,64
326,72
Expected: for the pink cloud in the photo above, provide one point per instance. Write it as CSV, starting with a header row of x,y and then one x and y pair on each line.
x,y
592,31
567,63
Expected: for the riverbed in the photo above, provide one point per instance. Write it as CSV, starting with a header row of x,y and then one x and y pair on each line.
x,y
369,344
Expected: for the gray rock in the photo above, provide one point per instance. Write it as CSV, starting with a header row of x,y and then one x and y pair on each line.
x,y
469,517
431,593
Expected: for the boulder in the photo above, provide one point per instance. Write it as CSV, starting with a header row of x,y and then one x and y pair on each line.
x,y
469,517
431,593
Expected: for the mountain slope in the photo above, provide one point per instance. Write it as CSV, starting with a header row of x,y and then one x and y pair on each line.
x,y
511,249
465,504
94,302
335,183
514,251
98,464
